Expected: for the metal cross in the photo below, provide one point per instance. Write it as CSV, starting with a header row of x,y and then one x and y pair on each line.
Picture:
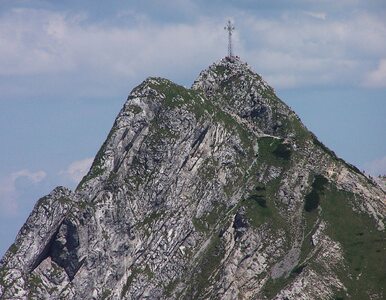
x,y
229,27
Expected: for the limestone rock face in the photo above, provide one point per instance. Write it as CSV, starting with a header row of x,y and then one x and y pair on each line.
x,y
214,192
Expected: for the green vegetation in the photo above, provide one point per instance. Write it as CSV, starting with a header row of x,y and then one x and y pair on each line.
x,y
149,219
220,70
233,126
148,272
176,96
105,294
3,272
135,109
169,288
64,200
312,199
209,169
34,282
294,125
363,245
13,249
56,270
96,168
273,286
273,151
283,151
159,133
298,269
206,268
129,281
133,176
208,221
260,206
134,273
256,208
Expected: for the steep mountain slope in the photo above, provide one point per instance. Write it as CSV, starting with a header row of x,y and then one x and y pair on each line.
x,y
214,192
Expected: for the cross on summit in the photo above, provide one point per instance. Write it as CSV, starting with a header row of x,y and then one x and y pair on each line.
x,y
230,27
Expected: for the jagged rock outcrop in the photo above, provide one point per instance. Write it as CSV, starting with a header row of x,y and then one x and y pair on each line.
x,y
215,192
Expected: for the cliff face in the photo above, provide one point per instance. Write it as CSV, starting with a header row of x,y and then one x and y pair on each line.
x,y
218,192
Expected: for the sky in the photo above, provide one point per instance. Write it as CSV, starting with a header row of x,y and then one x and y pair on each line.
x,y
67,67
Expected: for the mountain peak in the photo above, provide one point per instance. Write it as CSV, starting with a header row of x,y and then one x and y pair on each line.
x,y
237,89
222,70
232,63
213,192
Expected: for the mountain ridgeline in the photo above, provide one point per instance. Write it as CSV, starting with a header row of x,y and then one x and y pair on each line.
x,y
213,192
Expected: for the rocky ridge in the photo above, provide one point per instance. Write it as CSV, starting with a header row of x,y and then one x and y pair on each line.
x,y
218,191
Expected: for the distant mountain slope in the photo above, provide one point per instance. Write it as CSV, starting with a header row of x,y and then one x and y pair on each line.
x,y
214,192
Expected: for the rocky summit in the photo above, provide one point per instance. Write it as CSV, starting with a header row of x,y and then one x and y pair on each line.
x,y
213,192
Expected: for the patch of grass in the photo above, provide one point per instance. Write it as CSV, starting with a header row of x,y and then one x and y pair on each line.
x,y
209,169
259,199
148,272
64,200
273,151
34,282
105,294
169,288
260,207
283,151
273,286
295,125
364,247
312,199
136,176
129,281
310,221
3,282
221,70
255,212
13,249
96,168
200,225
208,264
159,133
298,269
149,219
135,109
209,220
147,222
95,171
177,96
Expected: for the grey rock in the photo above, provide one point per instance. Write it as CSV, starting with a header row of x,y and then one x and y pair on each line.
x,y
196,193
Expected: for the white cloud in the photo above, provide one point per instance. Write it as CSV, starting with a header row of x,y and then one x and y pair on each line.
x,y
291,51
8,190
377,77
40,41
77,169
316,15
35,177
376,167
309,53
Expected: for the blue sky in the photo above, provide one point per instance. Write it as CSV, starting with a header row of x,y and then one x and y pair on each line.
x,y
66,68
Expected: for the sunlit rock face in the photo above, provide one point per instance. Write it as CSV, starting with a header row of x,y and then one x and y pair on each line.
x,y
213,192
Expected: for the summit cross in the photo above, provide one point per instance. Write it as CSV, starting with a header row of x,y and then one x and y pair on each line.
x,y
229,27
